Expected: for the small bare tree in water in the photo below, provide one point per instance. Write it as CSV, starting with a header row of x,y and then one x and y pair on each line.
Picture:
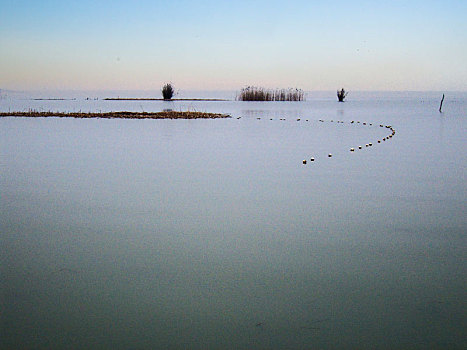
x,y
167,91
341,95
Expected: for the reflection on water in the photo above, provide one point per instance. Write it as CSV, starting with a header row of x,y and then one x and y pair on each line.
x,y
212,234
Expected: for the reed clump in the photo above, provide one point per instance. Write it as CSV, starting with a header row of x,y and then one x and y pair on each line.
x,y
341,95
253,93
168,91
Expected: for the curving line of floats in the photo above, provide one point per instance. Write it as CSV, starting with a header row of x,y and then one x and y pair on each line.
x,y
370,144
352,149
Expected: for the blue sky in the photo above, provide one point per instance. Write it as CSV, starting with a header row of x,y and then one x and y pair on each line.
x,y
313,45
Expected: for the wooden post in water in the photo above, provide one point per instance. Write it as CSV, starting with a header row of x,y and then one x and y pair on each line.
x,y
441,104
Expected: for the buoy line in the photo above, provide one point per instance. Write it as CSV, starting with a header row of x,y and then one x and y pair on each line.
x,y
352,149
369,144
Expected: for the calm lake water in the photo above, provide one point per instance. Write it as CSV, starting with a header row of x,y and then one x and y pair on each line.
x,y
212,234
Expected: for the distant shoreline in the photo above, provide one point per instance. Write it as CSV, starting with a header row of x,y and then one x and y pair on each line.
x,y
161,99
54,99
118,115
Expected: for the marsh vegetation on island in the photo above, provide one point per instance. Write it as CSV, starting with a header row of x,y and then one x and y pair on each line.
x,y
122,115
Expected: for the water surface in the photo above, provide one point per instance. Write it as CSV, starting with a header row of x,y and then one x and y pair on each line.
x,y
213,234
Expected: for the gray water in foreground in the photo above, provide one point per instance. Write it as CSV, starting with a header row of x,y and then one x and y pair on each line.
x,y
212,234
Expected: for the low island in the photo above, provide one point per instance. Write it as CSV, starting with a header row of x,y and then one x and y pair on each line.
x,y
120,115
161,99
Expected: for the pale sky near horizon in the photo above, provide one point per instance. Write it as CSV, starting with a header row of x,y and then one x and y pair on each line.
x,y
211,45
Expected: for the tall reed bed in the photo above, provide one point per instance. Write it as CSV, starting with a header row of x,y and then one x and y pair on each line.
x,y
252,93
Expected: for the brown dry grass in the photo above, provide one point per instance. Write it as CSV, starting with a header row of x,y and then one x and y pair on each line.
x,y
120,115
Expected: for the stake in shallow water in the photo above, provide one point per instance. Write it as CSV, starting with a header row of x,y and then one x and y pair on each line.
x,y
441,104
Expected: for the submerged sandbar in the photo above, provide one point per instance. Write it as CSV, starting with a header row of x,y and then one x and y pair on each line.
x,y
121,115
